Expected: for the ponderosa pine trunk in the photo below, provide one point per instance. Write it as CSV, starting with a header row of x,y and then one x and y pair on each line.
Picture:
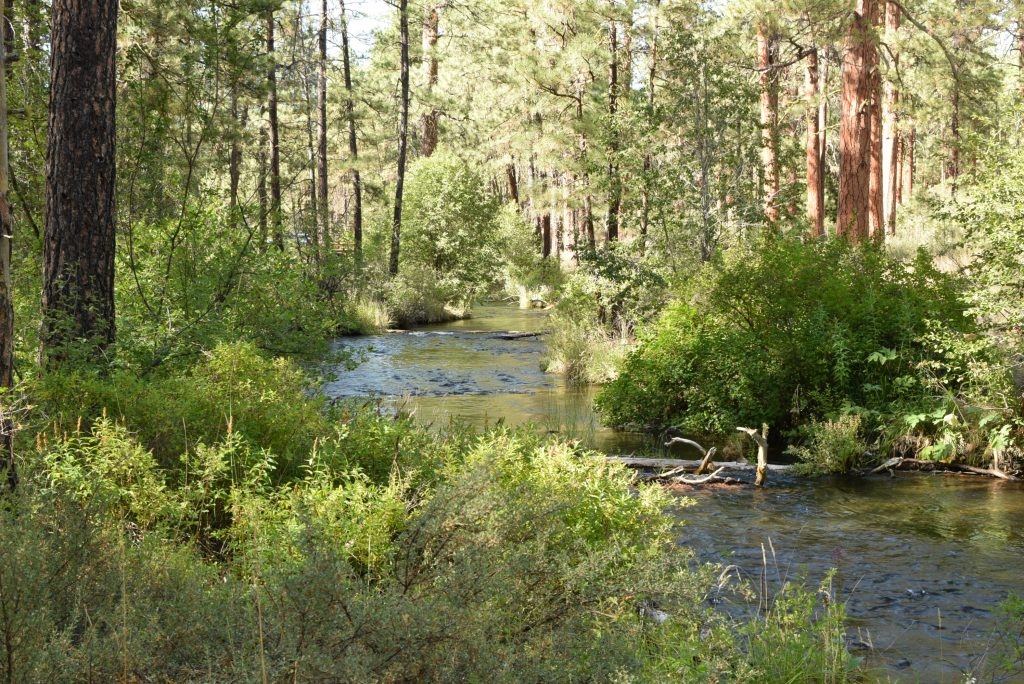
x,y
6,291
239,116
513,183
909,164
323,227
953,166
353,143
1020,49
890,132
853,210
876,182
403,136
273,139
614,187
648,181
767,51
823,72
815,185
431,33
544,223
79,240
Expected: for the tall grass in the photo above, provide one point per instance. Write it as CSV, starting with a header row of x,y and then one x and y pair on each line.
x,y
583,353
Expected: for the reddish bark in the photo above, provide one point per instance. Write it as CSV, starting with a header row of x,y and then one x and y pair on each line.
x,y
853,212
815,187
890,132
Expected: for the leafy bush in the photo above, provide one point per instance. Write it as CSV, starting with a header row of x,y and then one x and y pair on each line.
x,y
832,446
418,296
199,280
450,227
784,334
235,388
381,553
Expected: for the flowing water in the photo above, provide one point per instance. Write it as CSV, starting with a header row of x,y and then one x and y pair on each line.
x,y
923,560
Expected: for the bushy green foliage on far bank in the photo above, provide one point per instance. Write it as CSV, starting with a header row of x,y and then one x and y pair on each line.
x,y
782,333
786,333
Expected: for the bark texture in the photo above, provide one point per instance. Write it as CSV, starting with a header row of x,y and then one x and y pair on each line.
x,y
890,132
273,139
323,222
853,211
767,58
431,33
614,183
6,293
353,143
876,184
403,137
815,184
78,245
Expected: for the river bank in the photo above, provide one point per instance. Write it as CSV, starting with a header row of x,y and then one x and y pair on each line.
x,y
922,560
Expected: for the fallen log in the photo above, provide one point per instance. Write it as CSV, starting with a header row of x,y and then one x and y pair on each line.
x,y
918,465
728,466
705,465
515,335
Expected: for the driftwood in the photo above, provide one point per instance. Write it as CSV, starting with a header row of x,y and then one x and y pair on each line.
x,y
916,464
761,439
728,466
706,463
514,335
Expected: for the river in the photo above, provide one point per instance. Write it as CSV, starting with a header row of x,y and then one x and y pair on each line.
x,y
922,559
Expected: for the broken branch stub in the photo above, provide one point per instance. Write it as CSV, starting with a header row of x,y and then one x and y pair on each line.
x,y
761,439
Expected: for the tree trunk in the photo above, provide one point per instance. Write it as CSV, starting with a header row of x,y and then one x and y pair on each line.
x,y
897,178
239,116
652,72
430,120
890,133
78,247
1020,49
6,292
614,189
273,137
513,183
853,211
815,200
953,167
767,51
353,144
403,136
321,129
311,145
545,226
908,166
876,183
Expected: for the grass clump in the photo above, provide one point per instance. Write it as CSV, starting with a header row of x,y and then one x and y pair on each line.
x,y
832,446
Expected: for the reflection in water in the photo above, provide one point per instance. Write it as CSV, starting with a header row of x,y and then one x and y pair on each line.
x,y
465,371
922,559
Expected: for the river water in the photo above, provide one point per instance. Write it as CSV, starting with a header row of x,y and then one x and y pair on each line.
x,y
922,560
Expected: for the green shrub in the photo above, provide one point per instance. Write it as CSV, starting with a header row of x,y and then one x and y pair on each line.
x,y
831,446
783,334
450,227
235,388
419,297
388,554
